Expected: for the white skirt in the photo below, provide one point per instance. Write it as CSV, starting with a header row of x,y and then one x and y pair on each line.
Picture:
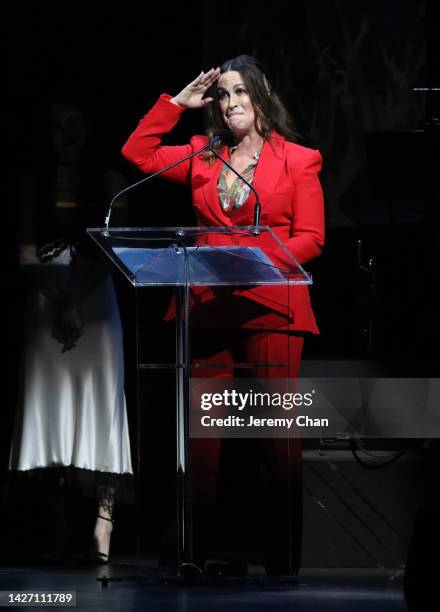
x,y
72,410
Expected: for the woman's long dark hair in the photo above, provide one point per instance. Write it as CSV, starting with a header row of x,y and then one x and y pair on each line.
x,y
271,114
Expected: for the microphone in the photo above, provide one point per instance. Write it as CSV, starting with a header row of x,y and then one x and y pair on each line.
x,y
215,138
257,210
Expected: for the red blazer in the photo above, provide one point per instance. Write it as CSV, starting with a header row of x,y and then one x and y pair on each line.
x,y
286,178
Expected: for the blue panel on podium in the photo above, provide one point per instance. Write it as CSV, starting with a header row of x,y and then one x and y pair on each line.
x,y
227,265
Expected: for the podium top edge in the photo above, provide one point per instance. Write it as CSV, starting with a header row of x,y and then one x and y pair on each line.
x,y
179,227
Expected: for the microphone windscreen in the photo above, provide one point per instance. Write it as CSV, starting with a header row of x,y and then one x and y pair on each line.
x,y
224,136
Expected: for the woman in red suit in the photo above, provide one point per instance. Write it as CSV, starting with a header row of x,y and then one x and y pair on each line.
x,y
269,324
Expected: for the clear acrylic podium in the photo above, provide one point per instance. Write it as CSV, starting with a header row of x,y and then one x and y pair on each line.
x,y
184,258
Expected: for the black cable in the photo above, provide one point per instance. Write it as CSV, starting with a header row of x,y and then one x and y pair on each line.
x,y
356,448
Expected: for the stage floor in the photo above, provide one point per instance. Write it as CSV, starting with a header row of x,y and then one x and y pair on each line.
x,y
139,586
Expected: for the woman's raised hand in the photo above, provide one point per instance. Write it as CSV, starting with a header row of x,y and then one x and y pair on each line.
x,y
191,96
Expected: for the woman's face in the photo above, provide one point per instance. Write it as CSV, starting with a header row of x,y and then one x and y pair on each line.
x,y
235,104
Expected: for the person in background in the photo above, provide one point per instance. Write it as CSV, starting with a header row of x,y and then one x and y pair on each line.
x,y
71,424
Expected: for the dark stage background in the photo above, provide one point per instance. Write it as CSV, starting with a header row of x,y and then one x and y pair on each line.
x,y
345,70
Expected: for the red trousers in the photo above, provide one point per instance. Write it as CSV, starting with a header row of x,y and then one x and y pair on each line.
x,y
222,468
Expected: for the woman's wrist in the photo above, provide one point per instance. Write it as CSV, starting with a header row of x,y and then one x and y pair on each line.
x,y
176,102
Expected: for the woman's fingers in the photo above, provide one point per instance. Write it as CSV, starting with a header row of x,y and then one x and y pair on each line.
x,y
192,95
197,80
206,79
211,75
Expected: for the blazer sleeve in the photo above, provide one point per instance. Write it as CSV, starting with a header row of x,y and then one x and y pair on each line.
x,y
144,149
308,222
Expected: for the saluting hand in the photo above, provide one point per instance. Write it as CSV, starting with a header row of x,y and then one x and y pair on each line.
x,y
192,95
